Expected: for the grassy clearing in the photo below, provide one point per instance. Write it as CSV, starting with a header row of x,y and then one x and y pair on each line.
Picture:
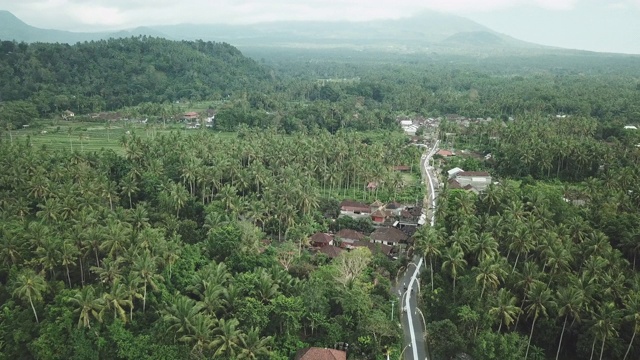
x,y
90,136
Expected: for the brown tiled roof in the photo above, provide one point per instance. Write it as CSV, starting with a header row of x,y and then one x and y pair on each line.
x,y
402,168
393,205
388,234
468,187
453,184
377,203
379,213
350,234
321,238
315,353
444,153
353,204
385,249
473,173
331,251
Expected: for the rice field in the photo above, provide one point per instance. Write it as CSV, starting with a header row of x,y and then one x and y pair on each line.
x,y
88,136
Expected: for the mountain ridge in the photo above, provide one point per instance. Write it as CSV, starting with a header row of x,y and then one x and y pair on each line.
x,y
426,31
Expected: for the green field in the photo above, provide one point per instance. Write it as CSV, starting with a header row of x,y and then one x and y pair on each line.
x,y
89,136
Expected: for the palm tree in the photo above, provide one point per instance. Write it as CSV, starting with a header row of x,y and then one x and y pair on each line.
x,y
145,269
200,333
88,305
109,271
128,186
489,272
540,300
632,307
505,308
606,319
253,347
227,339
454,262
570,301
116,299
428,242
30,286
181,314
69,254
485,247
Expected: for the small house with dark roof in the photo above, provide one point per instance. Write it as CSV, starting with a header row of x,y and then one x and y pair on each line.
x,y
348,236
314,353
402,168
331,251
354,207
388,236
374,247
321,240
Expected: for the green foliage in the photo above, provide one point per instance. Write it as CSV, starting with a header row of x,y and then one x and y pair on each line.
x,y
444,340
493,346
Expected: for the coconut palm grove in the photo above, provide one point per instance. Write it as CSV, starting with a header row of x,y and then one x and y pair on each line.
x,y
181,200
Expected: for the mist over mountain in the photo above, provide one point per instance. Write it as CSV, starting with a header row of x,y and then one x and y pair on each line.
x,y
428,31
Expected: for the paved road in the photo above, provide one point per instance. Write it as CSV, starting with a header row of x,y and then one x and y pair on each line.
x,y
407,287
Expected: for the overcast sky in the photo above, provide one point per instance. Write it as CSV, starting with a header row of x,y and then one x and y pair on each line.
x,y
599,25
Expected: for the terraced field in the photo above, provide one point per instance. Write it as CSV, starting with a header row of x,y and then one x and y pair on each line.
x,y
87,136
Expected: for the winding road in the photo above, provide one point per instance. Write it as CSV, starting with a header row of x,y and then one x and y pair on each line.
x,y
408,287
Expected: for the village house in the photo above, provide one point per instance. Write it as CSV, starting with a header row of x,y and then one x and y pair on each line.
x,y
190,116
348,236
314,353
394,209
374,247
444,153
321,240
453,172
478,180
402,168
388,236
376,205
379,216
349,207
331,251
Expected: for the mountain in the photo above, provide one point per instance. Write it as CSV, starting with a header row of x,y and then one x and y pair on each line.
x,y
12,28
426,31
430,31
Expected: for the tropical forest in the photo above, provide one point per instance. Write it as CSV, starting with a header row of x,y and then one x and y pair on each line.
x,y
174,199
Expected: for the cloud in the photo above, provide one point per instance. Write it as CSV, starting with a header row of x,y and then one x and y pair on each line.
x,y
101,14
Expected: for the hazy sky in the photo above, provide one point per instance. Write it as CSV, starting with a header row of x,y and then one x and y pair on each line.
x,y
600,25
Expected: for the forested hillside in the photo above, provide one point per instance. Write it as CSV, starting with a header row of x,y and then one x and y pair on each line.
x,y
161,253
110,74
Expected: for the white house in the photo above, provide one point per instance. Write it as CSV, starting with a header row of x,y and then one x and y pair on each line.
x,y
630,127
479,180
452,173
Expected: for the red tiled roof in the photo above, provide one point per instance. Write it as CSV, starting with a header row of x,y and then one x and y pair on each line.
x,y
350,234
191,113
444,153
473,173
388,234
314,353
